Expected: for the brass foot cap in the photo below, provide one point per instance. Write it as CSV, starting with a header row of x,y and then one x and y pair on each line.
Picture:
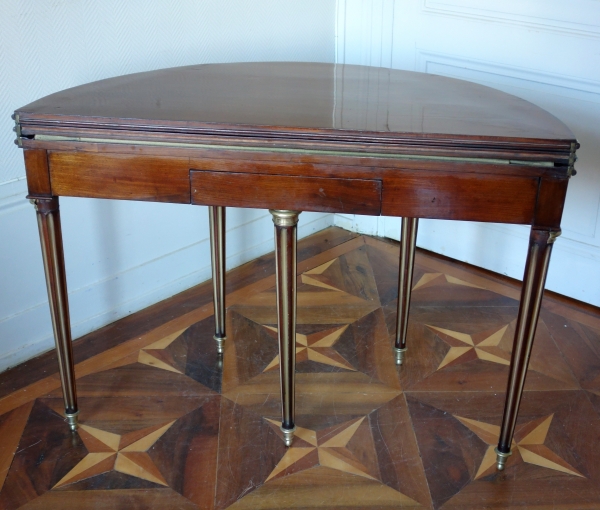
x,y
72,420
220,343
288,435
501,459
399,355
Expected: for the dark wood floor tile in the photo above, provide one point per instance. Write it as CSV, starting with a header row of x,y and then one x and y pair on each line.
x,y
580,346
248,351
594,397
469,348
109,480
11,429
47,451
187,453
397,452
323,487
125,415
378,445
446,290
358,277
314,307
365,344
556,444
194,353
249,450
165,499
385,267
138,380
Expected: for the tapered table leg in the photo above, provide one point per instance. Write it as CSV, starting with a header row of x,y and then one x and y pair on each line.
x,y
407,263
216,216
48,218
536,269
285,262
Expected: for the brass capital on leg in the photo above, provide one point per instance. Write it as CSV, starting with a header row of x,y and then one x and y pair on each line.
x,y
284,218
285,268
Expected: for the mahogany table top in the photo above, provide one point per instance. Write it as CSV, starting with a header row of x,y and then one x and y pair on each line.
x,y
284,102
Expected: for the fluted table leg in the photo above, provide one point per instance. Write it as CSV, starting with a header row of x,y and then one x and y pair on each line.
x,y
536,269
407,262
216,216
285,262
48,218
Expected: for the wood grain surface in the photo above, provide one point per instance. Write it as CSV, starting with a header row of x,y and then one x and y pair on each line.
x,y
354,196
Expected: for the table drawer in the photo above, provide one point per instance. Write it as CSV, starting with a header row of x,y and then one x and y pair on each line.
x,y
301,193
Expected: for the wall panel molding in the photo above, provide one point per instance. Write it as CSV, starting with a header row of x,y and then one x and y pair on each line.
x,y
364,32
577,17
502,74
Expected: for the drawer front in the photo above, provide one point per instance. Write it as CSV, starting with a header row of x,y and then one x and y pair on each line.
x,y
324,194
470,197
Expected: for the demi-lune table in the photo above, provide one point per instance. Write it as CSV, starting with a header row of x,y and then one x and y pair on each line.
x,y
295,137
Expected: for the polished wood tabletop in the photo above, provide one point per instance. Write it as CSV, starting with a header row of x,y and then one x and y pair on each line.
x,y
295,137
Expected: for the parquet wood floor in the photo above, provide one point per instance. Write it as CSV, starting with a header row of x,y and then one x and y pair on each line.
x,y
165,424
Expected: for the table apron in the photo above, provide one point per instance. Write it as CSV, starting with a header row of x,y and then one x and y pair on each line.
x,y
373,191
470,197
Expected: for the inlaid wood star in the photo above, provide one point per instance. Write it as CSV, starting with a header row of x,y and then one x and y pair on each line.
x,y
464,347
316,347
316,277
155,355
528,441
431,279
326,447
113,452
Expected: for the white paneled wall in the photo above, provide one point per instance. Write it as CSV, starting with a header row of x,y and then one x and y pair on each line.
x,y
544,51
123,256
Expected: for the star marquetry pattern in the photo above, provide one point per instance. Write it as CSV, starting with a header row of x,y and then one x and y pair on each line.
x,y
113,452
322,448
316,347
316,277
464,347
528,442
431,279
154,354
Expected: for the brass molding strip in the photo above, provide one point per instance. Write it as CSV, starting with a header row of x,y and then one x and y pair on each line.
x,y
58,138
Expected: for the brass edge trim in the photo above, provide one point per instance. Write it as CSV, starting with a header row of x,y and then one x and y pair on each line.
x,y
572,158
17,129
58,138
284,218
